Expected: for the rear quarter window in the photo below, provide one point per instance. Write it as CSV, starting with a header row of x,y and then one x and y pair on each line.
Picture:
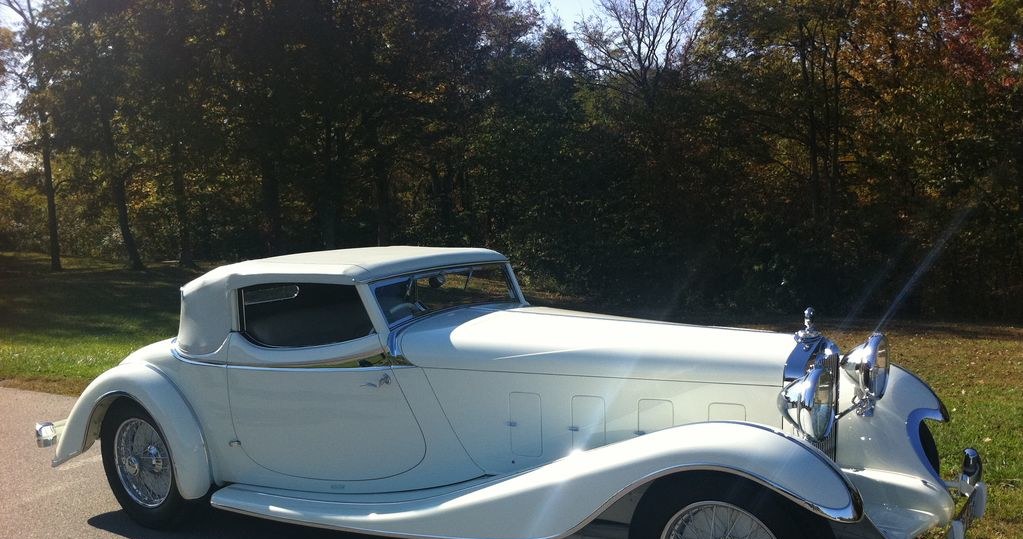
x,y
302,314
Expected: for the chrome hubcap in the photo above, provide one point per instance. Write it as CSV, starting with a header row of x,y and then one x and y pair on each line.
x,y
142,460
715,520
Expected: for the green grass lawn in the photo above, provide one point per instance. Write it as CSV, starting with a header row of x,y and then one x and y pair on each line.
x,y
60,330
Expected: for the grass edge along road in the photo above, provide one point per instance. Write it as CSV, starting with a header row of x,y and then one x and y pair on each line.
x,y
58,331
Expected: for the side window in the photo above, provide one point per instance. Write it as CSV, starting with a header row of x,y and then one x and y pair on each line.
x,y
302,314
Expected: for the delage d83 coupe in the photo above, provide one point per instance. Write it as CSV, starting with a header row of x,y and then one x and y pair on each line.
x,y
413,392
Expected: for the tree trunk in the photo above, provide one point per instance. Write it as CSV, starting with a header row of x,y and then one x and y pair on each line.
x,y
382,181
811,119
271,202
382,187
119,193
326,205
181,208
442,188
51,195
836,118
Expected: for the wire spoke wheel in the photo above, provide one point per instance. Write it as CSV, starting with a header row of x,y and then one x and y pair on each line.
x,y
143,462
715,520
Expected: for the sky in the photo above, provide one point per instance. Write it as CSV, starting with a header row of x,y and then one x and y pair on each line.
x,y
570,11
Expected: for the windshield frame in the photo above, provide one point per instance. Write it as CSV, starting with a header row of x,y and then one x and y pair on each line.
x,y
504,267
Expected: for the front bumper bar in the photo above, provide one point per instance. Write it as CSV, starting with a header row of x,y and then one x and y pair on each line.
x,y
970,484
48,433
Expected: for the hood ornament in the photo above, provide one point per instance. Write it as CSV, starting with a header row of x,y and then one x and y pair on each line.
x,y
810,332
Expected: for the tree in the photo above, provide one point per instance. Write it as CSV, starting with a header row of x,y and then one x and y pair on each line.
x,y
638,43
33,81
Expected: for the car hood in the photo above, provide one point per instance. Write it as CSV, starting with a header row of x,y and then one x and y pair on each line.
x,y
558,342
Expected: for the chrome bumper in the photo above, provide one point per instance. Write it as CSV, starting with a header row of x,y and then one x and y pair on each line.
x,y
48,433
970,484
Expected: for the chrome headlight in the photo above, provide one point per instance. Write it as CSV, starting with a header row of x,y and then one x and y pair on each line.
x,y
868,365
809,404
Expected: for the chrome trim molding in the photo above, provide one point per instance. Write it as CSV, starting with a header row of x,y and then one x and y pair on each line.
x,y
347,363
326,367
800,358
382,280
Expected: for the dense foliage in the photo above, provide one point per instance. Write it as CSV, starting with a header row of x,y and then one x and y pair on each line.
x,y
736,154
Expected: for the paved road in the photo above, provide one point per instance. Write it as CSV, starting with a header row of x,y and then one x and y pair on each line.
x,y
74,500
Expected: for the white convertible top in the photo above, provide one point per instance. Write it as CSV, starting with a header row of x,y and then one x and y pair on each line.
x,y
207,310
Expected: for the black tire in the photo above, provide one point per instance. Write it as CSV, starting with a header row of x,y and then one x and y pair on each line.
x,y
664,502
165,507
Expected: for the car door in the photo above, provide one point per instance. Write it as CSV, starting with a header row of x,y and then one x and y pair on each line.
x,y
311,393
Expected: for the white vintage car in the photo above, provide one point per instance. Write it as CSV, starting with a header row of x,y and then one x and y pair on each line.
x,y
413,392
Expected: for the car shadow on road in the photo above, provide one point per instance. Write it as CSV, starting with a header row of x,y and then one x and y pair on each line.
x,y
208,522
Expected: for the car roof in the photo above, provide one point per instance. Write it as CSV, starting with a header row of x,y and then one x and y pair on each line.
x,y
207,310
372,263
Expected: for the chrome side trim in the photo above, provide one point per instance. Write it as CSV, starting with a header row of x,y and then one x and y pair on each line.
x,y
378,363
290,368
333,363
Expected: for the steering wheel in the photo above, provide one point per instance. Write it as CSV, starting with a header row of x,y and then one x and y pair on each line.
x,y
412,307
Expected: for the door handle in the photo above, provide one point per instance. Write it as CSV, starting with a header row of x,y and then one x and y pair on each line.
x,y
384,380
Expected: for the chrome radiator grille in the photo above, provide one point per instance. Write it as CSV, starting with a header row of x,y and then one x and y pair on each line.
x,y
829,445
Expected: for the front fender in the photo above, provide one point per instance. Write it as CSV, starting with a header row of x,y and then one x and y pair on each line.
x,y
146,385
887,461
558,499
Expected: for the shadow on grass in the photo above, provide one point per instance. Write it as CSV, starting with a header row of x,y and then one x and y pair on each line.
x,y
90,299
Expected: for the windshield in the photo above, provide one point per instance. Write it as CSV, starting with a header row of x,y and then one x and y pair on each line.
x,y
422,293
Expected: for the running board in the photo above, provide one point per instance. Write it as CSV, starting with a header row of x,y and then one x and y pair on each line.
x,y
557,499
450,515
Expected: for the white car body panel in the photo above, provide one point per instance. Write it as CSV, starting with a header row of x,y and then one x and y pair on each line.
x,y
559,498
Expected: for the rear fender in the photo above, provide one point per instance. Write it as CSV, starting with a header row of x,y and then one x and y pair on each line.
x,y
147,386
